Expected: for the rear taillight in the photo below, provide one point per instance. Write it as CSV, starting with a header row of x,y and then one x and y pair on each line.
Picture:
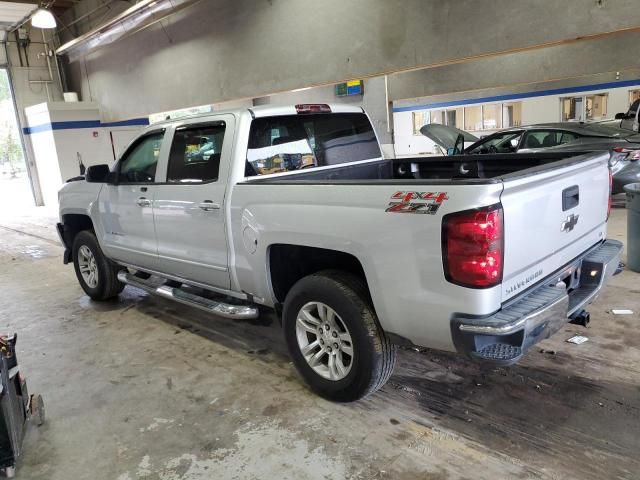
x,y
610,193
627,154
313,108
473,247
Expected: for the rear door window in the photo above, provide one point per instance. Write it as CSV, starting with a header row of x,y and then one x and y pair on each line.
x,y
195,153
296,142
547,138
566,137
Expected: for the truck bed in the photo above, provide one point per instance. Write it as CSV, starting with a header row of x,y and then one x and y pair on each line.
x,y
349,208
457,169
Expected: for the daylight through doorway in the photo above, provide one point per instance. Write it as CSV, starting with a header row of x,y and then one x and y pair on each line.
x,y
15,186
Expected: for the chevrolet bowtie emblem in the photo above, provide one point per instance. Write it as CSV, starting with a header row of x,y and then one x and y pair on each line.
x,y
570,223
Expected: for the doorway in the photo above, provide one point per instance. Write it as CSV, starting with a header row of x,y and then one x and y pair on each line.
x,y
15,185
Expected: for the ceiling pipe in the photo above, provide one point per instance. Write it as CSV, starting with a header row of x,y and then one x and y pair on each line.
x,y
140,16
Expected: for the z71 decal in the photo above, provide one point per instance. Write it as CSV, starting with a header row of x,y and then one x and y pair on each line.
x,y
416,202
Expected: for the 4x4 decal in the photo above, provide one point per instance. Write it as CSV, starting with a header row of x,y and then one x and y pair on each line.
x,y
416,202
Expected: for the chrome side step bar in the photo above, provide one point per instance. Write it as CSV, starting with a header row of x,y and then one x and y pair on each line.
x,y
227,310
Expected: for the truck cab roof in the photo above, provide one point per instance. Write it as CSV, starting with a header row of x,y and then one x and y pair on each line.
x,y
263,111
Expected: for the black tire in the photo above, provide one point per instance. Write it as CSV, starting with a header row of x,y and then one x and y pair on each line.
x,y
374,356
108,285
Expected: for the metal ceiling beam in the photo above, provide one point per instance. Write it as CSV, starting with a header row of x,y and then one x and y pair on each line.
x,y
132,20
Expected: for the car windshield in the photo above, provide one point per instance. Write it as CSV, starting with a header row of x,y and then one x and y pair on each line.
x,y
505,142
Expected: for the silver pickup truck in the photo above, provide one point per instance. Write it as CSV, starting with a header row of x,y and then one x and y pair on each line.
x,y
294,208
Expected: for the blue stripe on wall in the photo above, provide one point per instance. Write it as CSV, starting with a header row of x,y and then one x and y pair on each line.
x,y
45,127
517,96
143,122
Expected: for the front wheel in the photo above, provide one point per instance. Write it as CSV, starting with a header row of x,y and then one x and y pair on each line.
x,y
97,275
334,337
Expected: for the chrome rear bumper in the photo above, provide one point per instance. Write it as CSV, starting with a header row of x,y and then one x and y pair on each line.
x,y
506,335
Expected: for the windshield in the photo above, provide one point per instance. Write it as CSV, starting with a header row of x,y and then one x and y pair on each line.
x,y
295,142
505,142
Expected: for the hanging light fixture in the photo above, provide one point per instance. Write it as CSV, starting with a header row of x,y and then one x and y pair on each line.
x,y
43,18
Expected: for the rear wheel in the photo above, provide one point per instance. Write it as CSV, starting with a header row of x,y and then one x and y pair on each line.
x,y
334,336
97,275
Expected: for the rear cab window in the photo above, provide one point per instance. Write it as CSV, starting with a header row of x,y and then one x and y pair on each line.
x,y
296,142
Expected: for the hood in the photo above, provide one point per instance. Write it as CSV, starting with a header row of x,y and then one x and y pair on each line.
x,y
445,136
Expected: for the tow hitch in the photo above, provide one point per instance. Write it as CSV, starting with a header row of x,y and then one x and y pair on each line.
x,y
581,317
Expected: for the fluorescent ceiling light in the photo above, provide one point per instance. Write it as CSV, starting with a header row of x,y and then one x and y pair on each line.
x,y
43,19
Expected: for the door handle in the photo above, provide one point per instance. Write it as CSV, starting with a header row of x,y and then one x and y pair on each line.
x,y
143,202
208,205
570,198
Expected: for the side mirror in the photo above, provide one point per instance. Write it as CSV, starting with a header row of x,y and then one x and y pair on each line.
x,y
620,116
98,174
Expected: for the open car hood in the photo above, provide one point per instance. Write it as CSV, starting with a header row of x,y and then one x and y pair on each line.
x,y
446,136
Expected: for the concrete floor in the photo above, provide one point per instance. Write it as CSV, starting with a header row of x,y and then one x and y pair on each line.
x,y
141,388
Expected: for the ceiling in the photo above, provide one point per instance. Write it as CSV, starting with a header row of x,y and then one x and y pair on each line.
x,y
14,13
17,12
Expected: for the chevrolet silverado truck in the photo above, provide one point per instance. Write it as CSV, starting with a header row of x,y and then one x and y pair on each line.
x,y
295,209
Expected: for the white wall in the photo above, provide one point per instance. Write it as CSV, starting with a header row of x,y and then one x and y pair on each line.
x,y
406,143
56,151
542,109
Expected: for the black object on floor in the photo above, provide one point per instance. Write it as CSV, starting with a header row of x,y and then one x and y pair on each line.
x,y
17,408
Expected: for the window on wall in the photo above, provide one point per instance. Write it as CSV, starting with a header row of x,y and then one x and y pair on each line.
x,y
589,107
511,114
438,116
420,119
492,117
474,118
571,109
455,117
596,107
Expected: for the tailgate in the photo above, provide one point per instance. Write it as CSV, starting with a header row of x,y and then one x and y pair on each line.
x,y
551,217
